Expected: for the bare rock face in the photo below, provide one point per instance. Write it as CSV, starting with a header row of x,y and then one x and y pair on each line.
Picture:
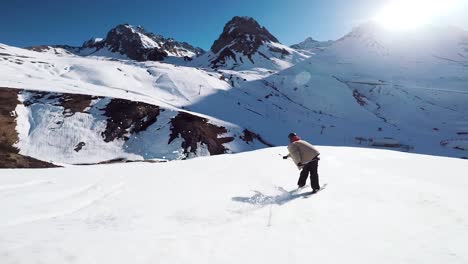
x,y
196,130
249,137
138,44
242,35
245,33
9,155
125,40
127,117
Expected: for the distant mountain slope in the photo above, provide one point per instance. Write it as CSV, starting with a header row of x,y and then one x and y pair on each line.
x,y
311,44
407,90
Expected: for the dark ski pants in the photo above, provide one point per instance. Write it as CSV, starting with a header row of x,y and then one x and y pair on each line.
x,y
310,168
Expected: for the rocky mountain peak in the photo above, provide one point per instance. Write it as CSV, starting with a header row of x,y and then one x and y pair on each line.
x,y
133,42
311,44
244,34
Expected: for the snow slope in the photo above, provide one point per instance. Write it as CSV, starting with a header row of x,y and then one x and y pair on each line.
x,y
48,133
151,82
379,85
378,207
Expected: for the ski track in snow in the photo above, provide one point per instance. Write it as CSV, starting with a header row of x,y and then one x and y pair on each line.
x,y
62,202
22,185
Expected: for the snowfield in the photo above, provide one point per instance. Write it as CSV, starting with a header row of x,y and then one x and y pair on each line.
x,y
378,207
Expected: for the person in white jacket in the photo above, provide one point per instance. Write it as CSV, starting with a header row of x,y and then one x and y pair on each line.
x,y
306,158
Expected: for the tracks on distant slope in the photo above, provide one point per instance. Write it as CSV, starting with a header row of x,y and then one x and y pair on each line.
x,y
462,63
363,103
426,101
272,86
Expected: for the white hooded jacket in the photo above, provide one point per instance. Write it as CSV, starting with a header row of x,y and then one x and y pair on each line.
x,y
302,152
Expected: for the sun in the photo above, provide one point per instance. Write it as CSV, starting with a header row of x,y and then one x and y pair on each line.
x,y
401,15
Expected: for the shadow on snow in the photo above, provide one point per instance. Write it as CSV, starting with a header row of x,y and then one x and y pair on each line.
x,y
260,199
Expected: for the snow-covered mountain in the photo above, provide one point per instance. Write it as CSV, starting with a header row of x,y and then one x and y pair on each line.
x,y
311,44
374,88
378,207
409,87
244,44
126,41
371,88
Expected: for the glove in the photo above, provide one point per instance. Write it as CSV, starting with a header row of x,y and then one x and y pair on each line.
x,y
285,157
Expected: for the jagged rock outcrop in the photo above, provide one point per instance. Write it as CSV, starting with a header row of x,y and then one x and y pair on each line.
x,y
245,43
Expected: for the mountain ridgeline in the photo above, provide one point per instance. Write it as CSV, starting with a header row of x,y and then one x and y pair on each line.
x,y
135,43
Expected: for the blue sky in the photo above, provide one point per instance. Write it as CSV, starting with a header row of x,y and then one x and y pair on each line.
x,y
32,22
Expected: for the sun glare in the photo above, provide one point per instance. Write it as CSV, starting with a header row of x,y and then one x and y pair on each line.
x,y
411,14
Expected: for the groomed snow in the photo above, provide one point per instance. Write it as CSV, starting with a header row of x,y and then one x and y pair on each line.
x,y
378,207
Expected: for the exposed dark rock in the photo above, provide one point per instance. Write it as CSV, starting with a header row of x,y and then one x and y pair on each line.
x,y
71,103
360,99
93,43
241,35
75,103
238,30
223,56
36,97
9,155
11,160
79,146
278,50
8,102
249,136
127,117
194,129
125,40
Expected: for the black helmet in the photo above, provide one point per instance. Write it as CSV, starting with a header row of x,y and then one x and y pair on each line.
x,y
291,135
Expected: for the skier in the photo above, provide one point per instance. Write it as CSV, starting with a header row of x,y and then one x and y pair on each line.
x,y
306,157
